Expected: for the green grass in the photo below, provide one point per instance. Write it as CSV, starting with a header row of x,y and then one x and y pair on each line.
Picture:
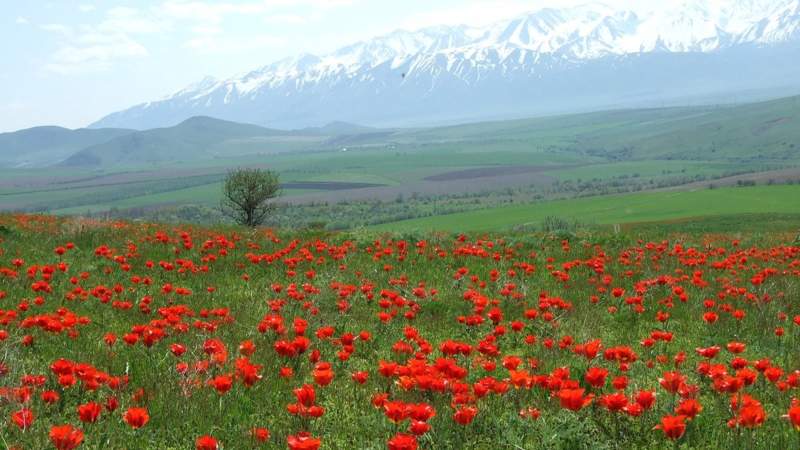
x,y
655,169
207,195
617,209
741,225
753,132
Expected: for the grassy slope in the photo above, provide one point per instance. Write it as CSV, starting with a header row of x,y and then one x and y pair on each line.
x,y
640,207
49,145
207,195
195,138
755,131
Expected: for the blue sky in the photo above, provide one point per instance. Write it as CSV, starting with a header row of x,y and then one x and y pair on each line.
x,y
69,63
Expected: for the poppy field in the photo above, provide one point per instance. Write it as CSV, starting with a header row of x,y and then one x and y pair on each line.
x,y
121,335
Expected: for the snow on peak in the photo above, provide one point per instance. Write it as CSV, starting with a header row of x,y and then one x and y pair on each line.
x,y
589,31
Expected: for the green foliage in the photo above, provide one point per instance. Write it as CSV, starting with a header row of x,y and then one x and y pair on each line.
x,y
247,195
555,224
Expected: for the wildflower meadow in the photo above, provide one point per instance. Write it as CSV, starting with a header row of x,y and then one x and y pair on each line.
x,y
117,335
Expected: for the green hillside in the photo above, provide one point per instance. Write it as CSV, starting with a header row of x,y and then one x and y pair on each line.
x,y
618,209
193,139
49,145
759,131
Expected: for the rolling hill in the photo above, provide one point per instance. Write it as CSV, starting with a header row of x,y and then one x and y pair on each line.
x,y
764,132
194,139
768,130
45,146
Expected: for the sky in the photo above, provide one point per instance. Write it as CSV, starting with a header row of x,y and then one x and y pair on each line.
x,y
70,63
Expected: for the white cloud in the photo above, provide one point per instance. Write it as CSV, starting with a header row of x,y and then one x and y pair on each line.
x,y
485,12
273,10
207,29
208,18
92,48
94,52
56,28
234,44
17,106
312,3
473,12
127,20
22,21
289,19
97,46
208,12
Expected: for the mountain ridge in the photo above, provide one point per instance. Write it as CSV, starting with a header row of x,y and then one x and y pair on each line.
x,y
403,69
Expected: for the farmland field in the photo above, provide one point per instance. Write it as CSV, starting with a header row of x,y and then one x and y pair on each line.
x,y
120,335
619,209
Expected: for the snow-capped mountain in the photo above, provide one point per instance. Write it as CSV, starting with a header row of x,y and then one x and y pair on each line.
x,y
551,60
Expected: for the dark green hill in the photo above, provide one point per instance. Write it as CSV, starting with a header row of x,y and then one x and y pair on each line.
x,y
45,146
193,139
767,130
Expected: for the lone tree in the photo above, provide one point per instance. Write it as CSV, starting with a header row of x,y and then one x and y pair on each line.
x,y
246,195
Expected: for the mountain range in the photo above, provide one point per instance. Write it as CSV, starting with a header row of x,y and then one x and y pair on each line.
x,y
548,61
763,132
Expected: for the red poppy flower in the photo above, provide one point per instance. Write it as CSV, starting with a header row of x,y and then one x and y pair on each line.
x,y
419,428
89,412
206,443
573,399
222,383
672,426
794,416
260,434
689,408
360,377
645,399
672,381
50,397
736,347
396,411
465,415
614,402
322,377
752,416
23,418
303,441
65,437
402,441
136,417
306,395
247,348
177,349
596,376
421,412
